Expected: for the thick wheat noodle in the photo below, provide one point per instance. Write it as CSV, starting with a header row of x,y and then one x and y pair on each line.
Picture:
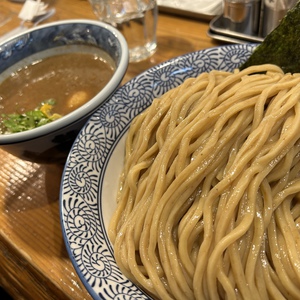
x,y
209,198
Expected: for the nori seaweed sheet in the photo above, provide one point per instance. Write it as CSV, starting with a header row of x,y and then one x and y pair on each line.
x,y
281,46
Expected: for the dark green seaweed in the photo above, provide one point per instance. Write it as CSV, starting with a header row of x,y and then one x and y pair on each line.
x,y
282,46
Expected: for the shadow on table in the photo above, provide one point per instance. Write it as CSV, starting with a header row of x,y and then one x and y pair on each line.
x,y
5,295
29,207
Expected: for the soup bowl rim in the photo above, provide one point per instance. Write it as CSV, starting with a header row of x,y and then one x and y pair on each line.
x,y
85,109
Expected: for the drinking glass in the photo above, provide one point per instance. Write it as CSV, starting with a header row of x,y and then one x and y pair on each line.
x,y
135,19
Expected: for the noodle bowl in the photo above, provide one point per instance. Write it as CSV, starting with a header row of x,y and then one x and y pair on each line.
x,y
208,205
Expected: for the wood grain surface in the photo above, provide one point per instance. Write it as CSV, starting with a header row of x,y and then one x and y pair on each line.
x,y
34,263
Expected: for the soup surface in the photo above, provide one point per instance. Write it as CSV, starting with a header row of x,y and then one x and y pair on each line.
x,y
64,81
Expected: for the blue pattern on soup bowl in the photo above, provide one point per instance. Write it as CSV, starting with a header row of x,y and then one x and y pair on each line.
x,y
52,142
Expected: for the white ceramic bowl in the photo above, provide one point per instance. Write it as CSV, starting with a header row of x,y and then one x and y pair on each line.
x,y
52,142
90,179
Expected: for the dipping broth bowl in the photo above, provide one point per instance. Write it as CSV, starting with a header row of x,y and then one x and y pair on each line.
x,y
51,143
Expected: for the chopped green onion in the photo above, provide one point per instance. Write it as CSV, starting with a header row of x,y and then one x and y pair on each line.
x,y
13,123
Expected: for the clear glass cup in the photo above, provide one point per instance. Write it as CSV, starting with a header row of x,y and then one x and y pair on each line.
x,y
135,19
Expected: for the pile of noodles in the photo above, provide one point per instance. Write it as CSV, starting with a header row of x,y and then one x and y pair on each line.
x,y
209,199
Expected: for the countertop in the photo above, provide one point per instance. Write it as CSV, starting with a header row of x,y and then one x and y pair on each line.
x,y
34,260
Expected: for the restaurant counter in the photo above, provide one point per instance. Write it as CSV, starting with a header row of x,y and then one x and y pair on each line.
x,y
34,262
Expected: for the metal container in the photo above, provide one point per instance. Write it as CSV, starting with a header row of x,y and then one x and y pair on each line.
x,y
243,15
273,12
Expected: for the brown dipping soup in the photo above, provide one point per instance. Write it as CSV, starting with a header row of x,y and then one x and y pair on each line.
x,y
71,79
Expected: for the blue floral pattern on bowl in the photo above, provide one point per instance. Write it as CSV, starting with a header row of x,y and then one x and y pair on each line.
x,y
83,204
62,34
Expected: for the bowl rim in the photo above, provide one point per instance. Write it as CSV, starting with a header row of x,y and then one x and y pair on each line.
x,y
87,108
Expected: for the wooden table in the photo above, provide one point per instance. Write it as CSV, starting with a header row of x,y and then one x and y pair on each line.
x,y
34,263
